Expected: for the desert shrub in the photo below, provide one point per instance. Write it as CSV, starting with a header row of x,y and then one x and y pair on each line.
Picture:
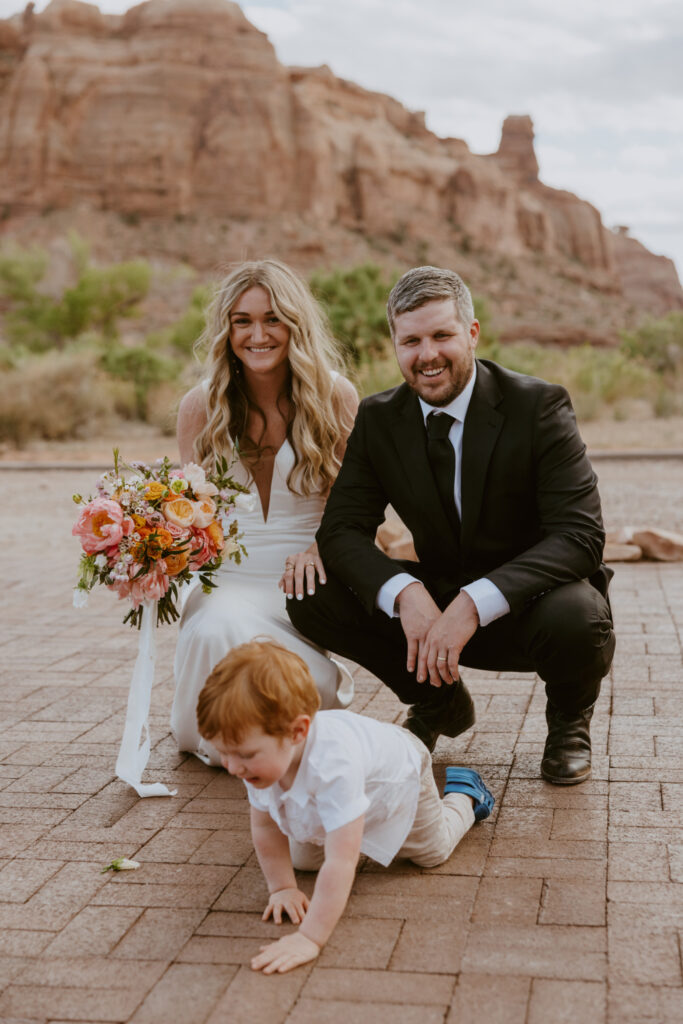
x,y
142,367
101,296
657,343
595,378
355,302
54,396
184,334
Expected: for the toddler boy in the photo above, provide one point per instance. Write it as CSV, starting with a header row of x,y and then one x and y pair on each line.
x,y
324,787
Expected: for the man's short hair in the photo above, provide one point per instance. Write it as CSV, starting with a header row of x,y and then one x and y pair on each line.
x,y
259,684
427,284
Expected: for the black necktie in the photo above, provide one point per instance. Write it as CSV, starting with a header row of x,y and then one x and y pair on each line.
x,y
442,459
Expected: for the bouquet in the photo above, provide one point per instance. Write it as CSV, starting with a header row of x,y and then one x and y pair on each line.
x,y
151,527
144,535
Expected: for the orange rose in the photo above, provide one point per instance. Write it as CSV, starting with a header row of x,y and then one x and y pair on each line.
x,y
152,543
158,542
215,532
179,511
176,562
139,521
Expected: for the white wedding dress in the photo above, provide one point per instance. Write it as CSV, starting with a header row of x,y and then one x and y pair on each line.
x,y
247,603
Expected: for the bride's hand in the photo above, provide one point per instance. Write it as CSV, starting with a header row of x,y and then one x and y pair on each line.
x,y
300,572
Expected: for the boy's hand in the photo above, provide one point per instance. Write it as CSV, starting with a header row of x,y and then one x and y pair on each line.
x,y
284,955
292,901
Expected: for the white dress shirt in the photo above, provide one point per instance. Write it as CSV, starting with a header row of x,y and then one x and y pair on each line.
x,y
488,599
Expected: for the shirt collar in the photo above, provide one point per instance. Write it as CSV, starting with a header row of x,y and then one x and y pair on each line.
x,y
460,404
298,791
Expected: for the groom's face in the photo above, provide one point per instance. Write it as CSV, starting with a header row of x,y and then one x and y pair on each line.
x,y
435,351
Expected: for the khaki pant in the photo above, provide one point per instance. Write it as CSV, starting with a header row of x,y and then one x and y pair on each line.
x,y
438,827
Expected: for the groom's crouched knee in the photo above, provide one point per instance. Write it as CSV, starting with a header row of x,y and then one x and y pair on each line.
x,y
576,624
331,606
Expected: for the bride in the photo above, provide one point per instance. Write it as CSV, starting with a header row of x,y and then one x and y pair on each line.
x,y
275,397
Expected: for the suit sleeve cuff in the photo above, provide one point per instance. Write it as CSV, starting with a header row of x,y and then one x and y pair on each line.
x,y
389,591
488,600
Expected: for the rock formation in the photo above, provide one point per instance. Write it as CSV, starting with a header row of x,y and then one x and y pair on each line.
x,y
180,109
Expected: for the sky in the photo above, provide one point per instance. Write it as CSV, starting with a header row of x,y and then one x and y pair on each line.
x,y
603,83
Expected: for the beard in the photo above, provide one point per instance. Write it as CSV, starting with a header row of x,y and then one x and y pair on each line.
x,y
451,383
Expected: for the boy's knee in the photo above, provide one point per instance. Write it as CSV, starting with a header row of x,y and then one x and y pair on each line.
x,y
306,856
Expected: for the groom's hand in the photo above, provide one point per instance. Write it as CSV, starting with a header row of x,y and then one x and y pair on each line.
x,y
418,611
441,649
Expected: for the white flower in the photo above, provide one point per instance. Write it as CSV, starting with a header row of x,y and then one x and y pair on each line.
x,y
245,502
80,598
196,478
101,561
121,864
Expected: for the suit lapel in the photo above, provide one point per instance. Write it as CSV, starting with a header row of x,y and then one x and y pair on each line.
x,y
483,424
410,439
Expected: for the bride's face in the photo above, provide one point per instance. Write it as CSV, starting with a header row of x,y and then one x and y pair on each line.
x,y
258,338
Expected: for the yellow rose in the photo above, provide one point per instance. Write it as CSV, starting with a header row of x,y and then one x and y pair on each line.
x,y
179,511
155,490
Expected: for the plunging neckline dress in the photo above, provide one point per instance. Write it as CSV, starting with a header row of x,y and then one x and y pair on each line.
x,y
247,603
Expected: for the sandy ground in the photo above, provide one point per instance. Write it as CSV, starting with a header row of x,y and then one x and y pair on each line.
x,y
139,441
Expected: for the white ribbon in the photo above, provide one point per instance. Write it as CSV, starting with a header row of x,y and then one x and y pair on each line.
x,y
134,754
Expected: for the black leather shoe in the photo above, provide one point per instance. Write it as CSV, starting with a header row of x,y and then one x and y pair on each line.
x,y
428,720
567,755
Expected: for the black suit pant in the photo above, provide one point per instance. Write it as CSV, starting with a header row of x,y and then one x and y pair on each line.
x,y
565,635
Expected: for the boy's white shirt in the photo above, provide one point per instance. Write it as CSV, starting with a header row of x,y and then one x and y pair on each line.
x,y
351,765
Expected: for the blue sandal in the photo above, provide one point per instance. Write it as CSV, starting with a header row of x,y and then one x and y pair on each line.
x,y
465,780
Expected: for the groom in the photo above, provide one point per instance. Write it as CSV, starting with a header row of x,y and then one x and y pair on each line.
x,y
487,469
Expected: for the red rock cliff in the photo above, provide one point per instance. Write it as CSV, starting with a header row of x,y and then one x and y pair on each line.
x,y
180,107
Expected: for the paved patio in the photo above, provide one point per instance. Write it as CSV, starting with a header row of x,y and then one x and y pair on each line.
x,y
564,906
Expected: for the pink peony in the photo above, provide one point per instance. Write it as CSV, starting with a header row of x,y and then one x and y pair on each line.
x,y
150,587
100,525
202,549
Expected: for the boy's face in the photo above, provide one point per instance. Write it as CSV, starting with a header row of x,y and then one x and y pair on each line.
x,y
262,760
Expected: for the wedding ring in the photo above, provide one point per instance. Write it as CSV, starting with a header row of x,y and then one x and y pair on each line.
x,y
289,565
442,659
310,563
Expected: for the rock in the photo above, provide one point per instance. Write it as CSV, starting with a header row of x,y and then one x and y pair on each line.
x,y
516,149
178,110
395,539
659,545
645,277
621,552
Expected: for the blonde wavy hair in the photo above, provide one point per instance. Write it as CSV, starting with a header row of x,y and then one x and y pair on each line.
x,y
316,428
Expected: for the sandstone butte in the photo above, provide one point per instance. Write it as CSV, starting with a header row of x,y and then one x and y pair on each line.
x,y
173,131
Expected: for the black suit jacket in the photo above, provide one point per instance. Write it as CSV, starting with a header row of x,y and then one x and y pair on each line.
x,y
531,515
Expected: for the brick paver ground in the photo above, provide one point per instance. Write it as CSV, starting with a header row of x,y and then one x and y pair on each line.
x,y
566,905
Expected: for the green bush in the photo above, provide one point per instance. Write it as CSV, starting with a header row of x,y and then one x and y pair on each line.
x,y
657,343
355,302
184,334
37,322
142,367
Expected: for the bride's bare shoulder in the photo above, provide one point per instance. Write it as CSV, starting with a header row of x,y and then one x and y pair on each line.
x,y
192,417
